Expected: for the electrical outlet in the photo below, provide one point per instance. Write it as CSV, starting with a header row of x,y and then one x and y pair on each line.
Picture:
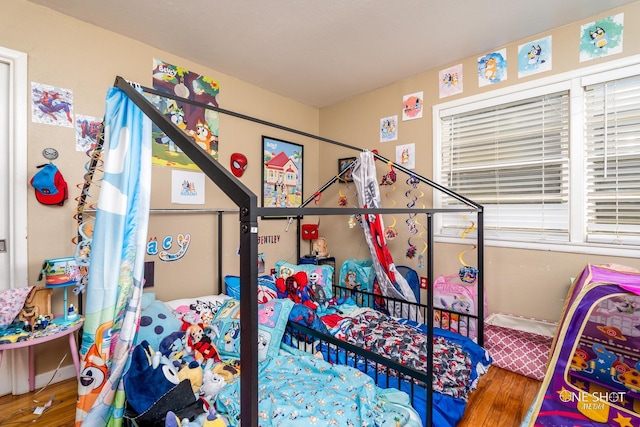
x,y
423,283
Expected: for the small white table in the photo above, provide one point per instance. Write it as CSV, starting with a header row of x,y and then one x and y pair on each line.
x,y
30,343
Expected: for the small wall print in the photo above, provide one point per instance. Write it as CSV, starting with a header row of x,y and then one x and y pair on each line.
x,y
389,128
51,105
412,106
601,38
492,68
87,130
187,187
406,155
534,57
450,81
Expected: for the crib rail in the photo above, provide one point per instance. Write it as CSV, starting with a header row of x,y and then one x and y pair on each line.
x,y
385,372
453,321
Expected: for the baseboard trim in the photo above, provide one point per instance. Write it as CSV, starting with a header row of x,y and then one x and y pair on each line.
x,y
64,373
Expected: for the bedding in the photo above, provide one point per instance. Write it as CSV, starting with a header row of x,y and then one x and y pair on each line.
x,y
297,390
458,361
295,387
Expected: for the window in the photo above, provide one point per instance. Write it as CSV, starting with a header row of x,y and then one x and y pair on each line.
x,y
612,143
513,158
551,164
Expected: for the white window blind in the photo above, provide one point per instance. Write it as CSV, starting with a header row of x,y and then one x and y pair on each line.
x,y
513,158
612,154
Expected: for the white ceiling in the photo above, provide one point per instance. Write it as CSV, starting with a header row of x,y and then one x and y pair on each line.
x,y
323,51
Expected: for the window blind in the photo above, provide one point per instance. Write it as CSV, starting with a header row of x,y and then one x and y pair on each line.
x,y
514,159
612,156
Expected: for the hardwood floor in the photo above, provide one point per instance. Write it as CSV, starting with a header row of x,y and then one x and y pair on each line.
x,y
19,410
501,400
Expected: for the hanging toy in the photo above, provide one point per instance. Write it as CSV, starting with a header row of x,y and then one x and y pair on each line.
x,y
411,223
343,202
468,274
390,232
414,181
411,250
390,177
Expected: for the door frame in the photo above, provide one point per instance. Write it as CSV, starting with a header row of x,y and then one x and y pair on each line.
x,y
17,155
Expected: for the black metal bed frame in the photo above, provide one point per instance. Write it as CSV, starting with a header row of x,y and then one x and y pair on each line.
x,y
249,212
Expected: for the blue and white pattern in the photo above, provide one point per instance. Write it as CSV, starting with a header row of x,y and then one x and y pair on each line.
x,y
297,390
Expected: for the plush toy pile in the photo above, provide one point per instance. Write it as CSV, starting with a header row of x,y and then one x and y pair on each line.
x,y
176,384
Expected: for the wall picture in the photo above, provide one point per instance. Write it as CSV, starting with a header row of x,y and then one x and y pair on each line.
x,y
412,106
281,173
534,57
492,68
342,165
601,38
389,128
450,81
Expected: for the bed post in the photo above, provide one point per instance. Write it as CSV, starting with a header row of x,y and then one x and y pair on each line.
x,y
429,320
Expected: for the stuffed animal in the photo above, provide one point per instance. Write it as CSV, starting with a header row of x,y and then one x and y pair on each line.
x,y
200,344
172,346
193,372
211,385
145,383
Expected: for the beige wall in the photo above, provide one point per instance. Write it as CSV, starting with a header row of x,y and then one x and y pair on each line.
x,y
524,282
67,53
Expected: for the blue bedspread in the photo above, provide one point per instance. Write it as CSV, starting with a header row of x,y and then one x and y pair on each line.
x,y
296,390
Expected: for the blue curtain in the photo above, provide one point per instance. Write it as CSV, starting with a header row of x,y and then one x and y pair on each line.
x,y
116,262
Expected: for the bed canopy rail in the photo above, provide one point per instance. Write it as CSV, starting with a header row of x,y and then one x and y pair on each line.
x,y
249,212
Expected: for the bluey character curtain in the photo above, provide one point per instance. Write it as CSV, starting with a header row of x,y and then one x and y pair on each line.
x,y
116,263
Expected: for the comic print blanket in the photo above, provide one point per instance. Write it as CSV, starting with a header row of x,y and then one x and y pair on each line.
x,y
381,333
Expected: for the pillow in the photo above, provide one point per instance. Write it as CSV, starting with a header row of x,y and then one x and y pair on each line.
x,y
147,298
318,275
266,288
217,300
272,320
156,322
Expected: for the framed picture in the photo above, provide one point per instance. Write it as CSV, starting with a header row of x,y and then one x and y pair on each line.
x,y
342,165
281,173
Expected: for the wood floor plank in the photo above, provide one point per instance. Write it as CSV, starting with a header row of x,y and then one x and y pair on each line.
x,y
502,399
